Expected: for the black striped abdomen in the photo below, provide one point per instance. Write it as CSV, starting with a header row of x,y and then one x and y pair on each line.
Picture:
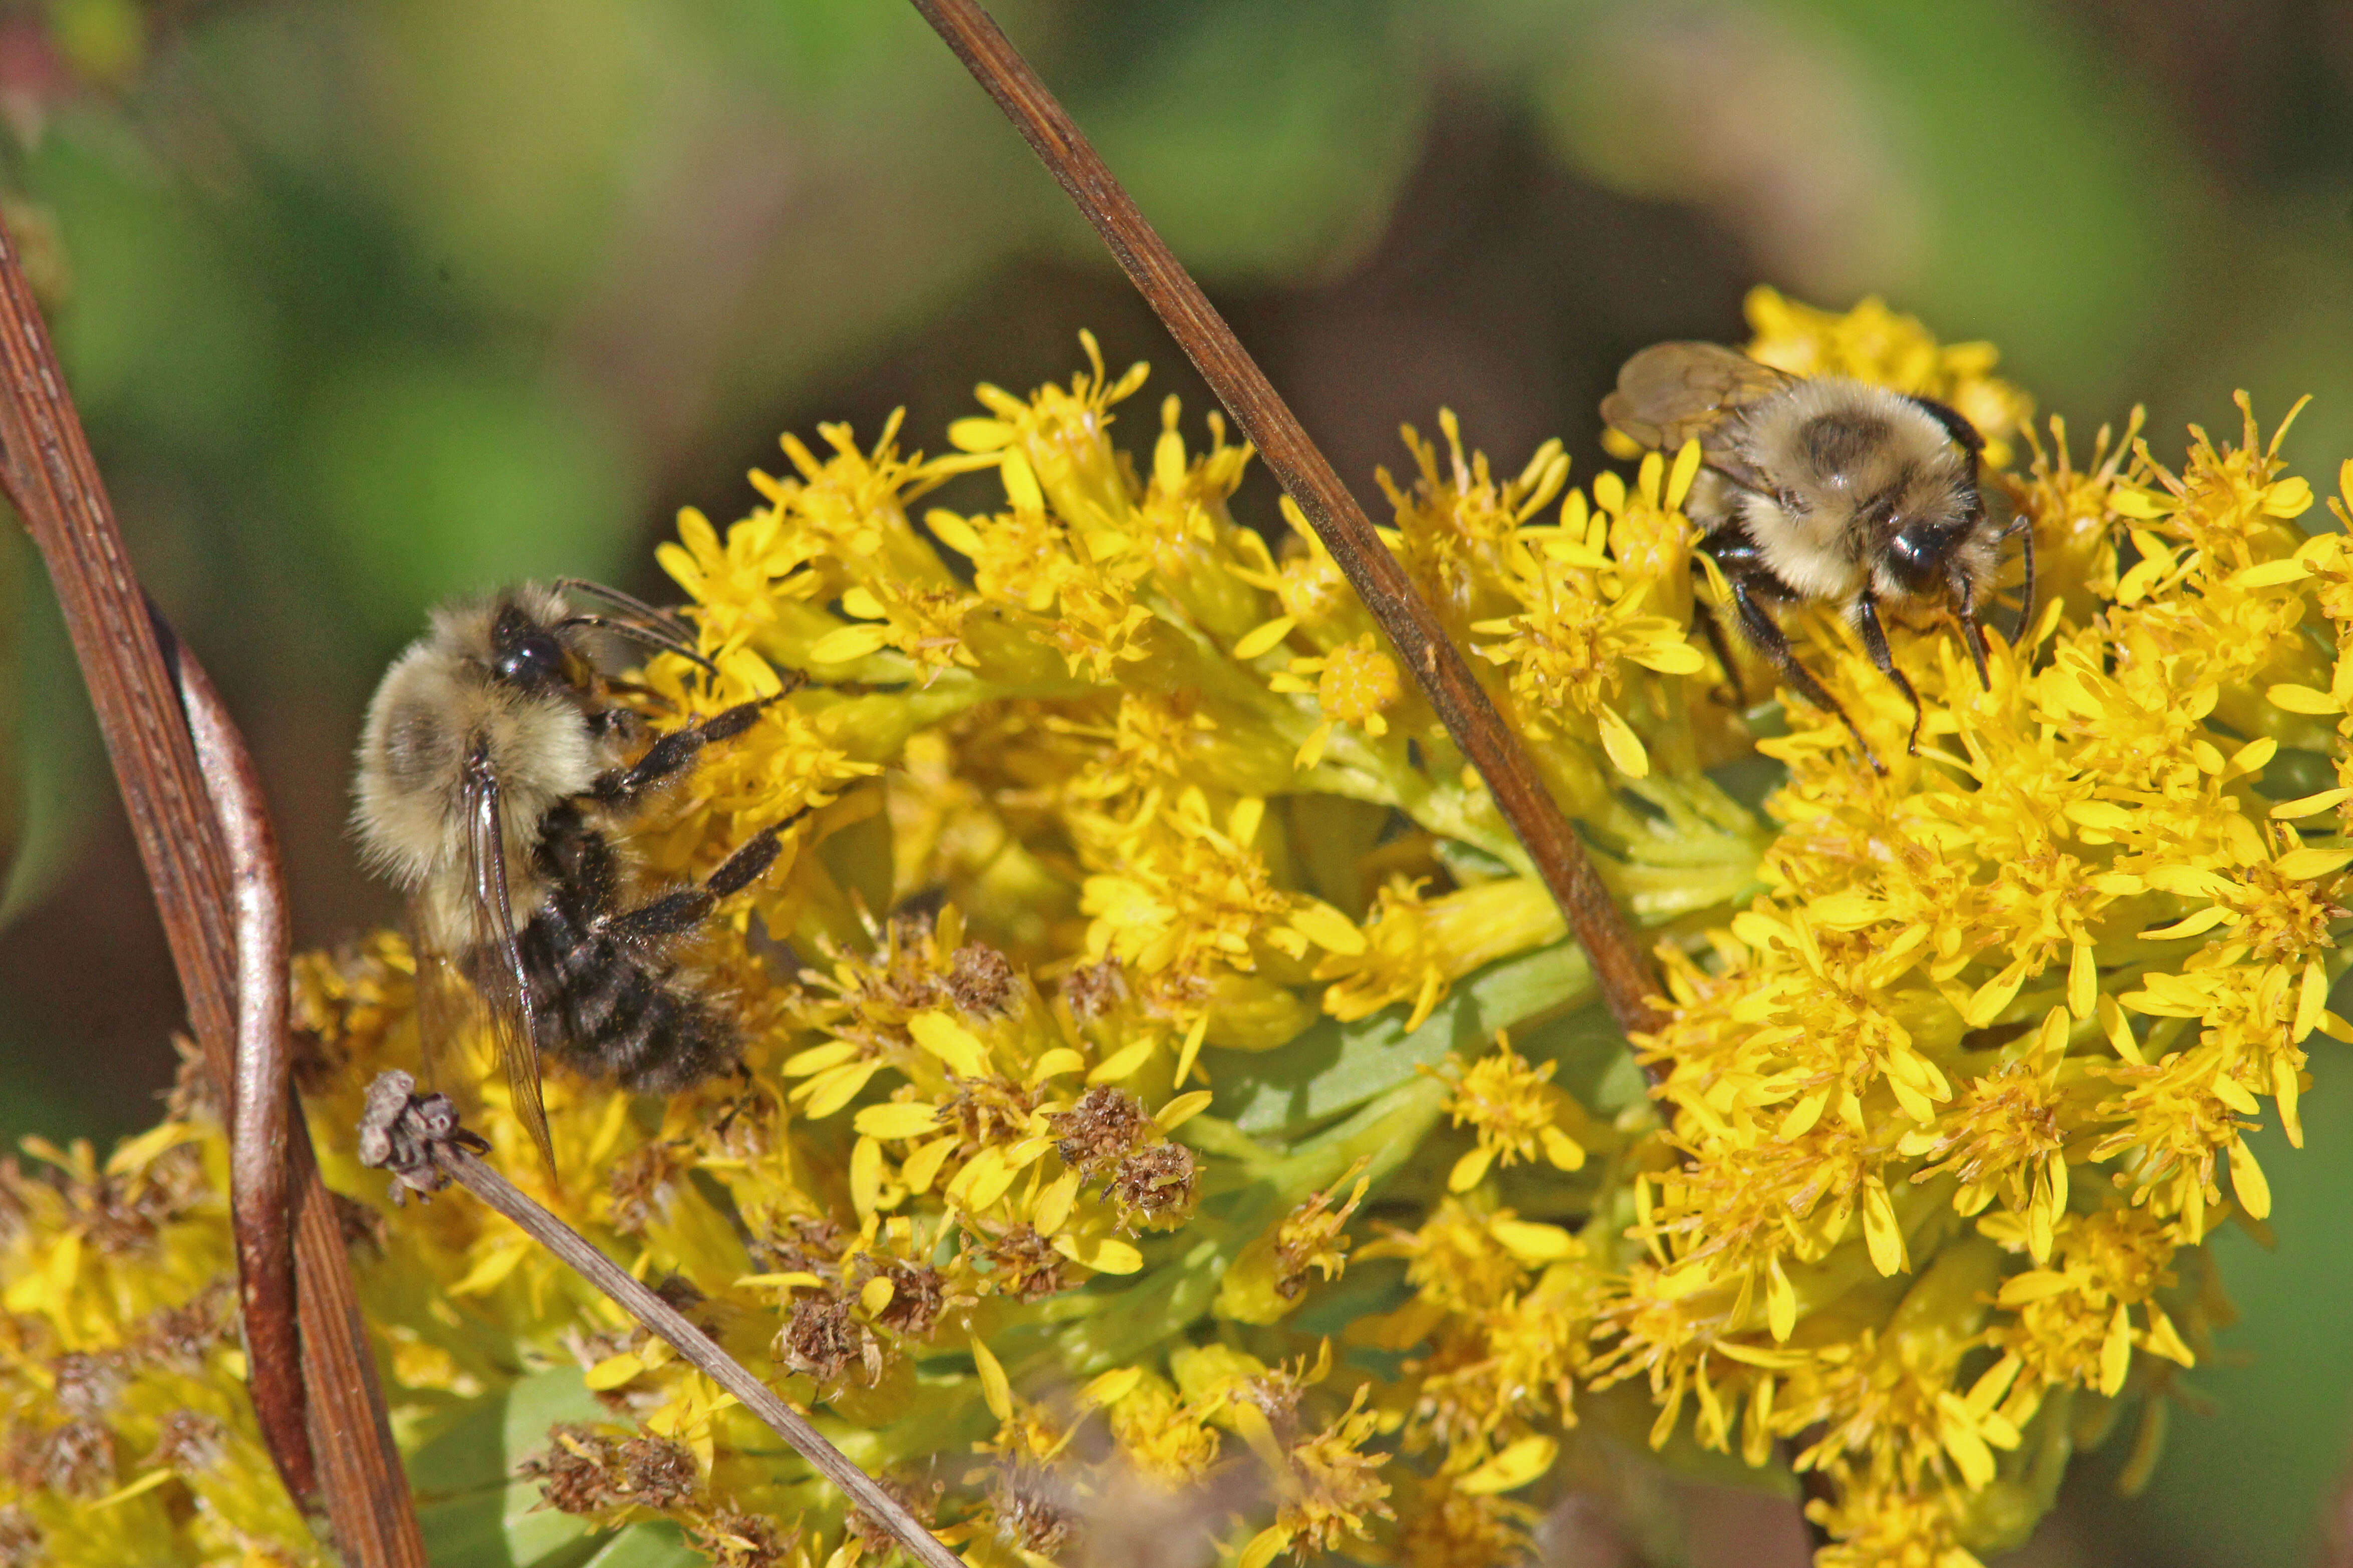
x,y
607,1012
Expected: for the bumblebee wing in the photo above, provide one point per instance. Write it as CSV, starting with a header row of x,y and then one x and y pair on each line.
x,y
446,1004
500,977
1672,393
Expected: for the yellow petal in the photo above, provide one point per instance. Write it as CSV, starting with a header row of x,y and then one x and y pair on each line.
x,y
951,1042
994,1388
1880,1231
1469,1170
844,644
955,532
1686,470
1514,1467
613,1371
1532,1243
923,1167
1182,1109
899,1120
1780,1302
2115,1354
1020,482
2300,863
2303,700
1104,1254
1123,1061
1260,638
1327,928
830,1090
2248,1182
1625,747
1111,1387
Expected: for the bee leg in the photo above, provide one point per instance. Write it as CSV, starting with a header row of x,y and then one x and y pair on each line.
x,y
1973,634
1761,629
1731,692
2023,526
674,914
671,753
1874,643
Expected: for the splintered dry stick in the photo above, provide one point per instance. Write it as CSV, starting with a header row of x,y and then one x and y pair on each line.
x,y
177,814
419,1139
1620,966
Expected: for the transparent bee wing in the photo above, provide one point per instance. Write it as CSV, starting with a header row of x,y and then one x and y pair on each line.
x,y
1672,393
446,1006
500,978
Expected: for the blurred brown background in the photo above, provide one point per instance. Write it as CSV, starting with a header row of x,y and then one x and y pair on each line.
x,y
366,305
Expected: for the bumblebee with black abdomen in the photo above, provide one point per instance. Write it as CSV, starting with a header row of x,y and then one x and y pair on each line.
x,y
496,773
1824,490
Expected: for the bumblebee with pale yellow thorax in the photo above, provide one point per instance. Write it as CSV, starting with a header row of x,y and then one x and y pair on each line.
x,y
1823,490
496,776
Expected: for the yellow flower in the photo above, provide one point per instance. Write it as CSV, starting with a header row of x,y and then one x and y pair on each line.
x,y
1515,1111
1356,683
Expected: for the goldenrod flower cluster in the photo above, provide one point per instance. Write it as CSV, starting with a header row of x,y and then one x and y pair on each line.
x,y
125,1432
1168,1094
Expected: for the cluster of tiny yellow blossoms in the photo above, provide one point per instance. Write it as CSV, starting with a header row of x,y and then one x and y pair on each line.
x,y
1169,1103
125,1432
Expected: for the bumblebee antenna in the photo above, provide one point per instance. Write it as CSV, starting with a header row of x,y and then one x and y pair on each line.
x,y
629,601
645,636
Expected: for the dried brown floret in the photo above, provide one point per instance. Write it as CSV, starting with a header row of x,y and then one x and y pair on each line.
x,y
734,1539
810,1245
822,1339
586,1471
86,1383
1155,1184
917,1295
1093,990
183,1335
1028,1266
681,1293
908,980
20,1539
982,980
658,1472
571,1470
1104,1126
639,1182
76,1459
1031,1514
921,1501
195,1095
189,1441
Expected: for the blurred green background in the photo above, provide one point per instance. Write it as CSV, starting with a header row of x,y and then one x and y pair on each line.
x,y
367,304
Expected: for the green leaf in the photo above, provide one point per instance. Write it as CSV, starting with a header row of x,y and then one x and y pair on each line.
x,y
656,1543
471,1510
1333,1067
501,1527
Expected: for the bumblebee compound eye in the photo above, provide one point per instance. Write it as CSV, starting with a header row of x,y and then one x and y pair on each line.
x,y
533,659
523,652
1917,552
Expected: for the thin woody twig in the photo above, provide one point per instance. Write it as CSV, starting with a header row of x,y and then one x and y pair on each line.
x,y
260,1202
1627,978
419,1139
48,474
